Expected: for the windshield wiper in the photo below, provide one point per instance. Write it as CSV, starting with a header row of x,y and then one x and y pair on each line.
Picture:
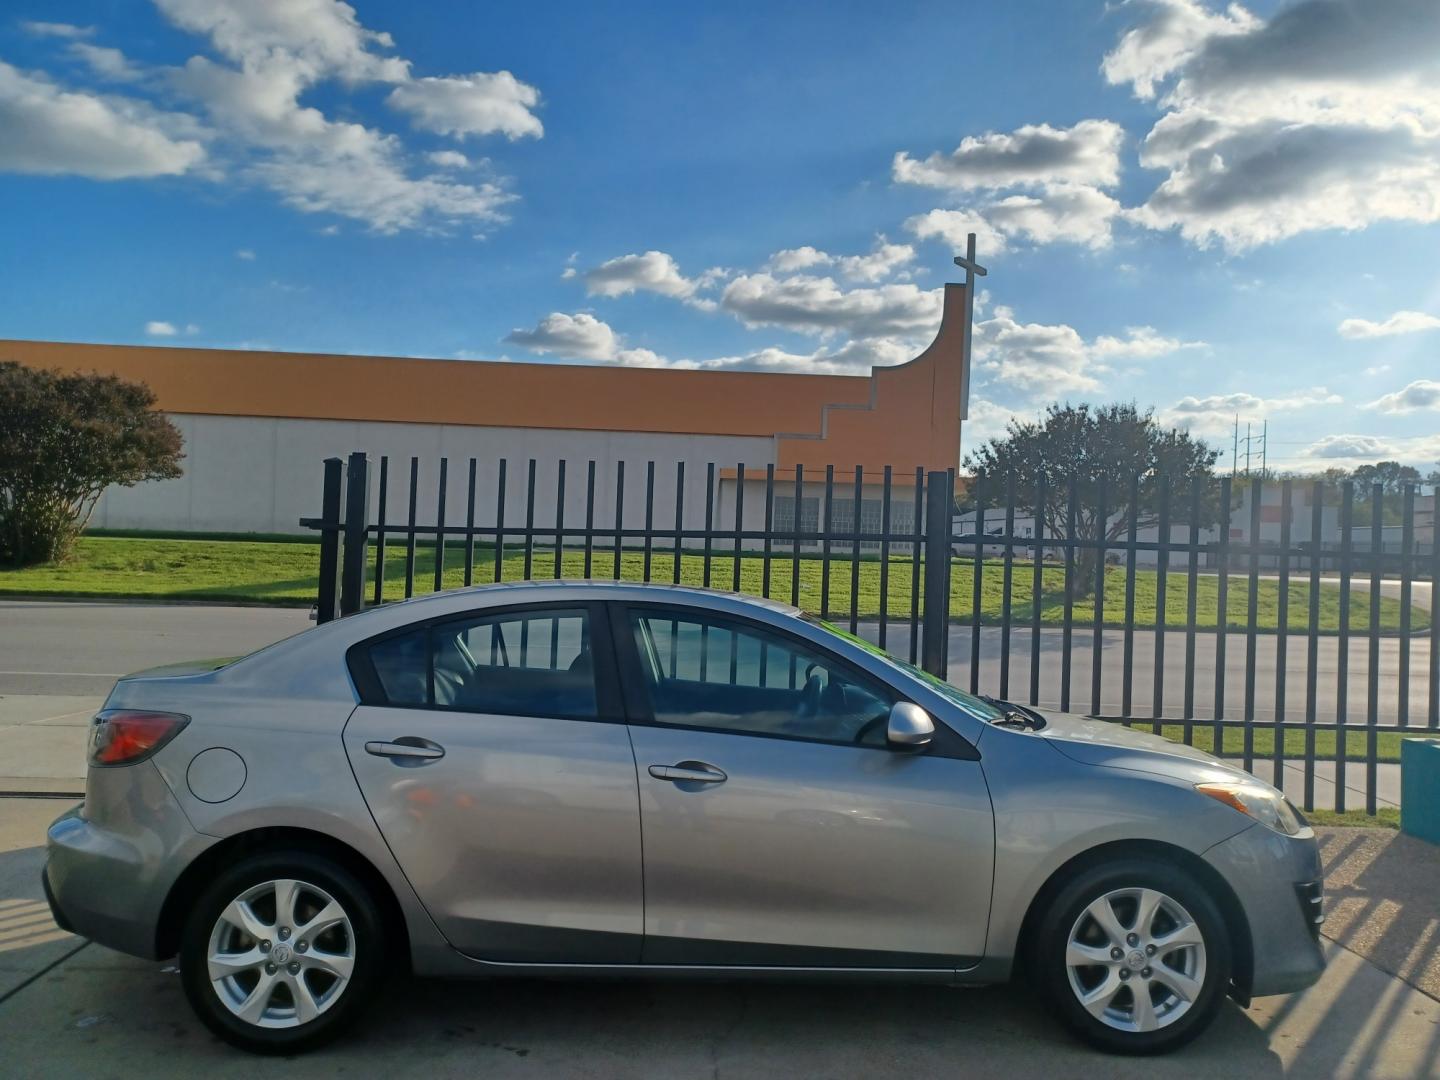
x,y
1013,715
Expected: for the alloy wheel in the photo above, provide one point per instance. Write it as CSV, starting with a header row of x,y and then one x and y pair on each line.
x,y
1135,959
281,953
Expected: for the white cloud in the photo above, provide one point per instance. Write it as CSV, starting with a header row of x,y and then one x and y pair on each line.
x,y
245,254
1035,358
312,38
1151,50
1421,451
819,305
106,62
654,271
479,104
801,258
1052,360
1088,153
581,336
375,189
1140,343
1061,213
1216,413
37,28
1420,394
1402,322
987,420
448,159
52,131
265,57
852,358
883,260
161,328
952,227
1327,116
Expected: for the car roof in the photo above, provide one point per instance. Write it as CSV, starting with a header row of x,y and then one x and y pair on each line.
x,y
652,591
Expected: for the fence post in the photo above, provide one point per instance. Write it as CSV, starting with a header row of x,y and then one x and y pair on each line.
x,y
939,504
329,523
357,520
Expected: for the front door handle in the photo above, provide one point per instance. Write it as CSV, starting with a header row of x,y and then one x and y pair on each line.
x,y
694,772
407,750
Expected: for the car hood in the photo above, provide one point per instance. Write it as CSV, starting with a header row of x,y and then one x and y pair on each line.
x,y
1102,742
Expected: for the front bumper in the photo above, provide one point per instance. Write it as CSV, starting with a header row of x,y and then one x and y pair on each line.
x,y
109,882
1277,880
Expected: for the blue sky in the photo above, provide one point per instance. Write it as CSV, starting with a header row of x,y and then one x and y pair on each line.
x,y
1209,210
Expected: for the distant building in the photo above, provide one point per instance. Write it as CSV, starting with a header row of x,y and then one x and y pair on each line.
x,y
258,424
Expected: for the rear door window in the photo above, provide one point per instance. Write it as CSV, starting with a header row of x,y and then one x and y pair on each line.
x,y
537,662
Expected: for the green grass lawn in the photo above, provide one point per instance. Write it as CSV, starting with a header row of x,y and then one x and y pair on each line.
x,y
1386,817
274,572
1232,744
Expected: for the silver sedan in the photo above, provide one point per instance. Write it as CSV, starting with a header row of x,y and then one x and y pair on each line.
x,y
589,778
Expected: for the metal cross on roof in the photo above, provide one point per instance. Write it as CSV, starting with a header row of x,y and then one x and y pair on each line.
x,y
972,270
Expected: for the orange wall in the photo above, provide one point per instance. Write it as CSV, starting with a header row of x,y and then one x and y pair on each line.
x,y
916,415
914,419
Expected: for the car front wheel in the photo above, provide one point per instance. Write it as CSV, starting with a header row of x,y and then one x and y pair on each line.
x,y
1134,955
282,952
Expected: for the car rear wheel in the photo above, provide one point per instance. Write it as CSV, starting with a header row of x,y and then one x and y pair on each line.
x,y
1134,956
282,952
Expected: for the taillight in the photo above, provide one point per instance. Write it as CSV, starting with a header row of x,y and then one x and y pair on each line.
x,y
126,736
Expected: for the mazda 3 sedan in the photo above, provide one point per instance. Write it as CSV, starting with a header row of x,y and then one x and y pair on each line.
x,y
556,779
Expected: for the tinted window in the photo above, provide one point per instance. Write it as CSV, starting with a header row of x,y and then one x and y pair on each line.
x,y
533,663
715,673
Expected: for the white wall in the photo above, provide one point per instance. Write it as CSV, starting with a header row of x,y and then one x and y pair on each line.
x,y
259,474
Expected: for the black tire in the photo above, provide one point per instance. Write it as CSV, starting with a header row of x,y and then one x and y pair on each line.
x,y
366,927
1046,962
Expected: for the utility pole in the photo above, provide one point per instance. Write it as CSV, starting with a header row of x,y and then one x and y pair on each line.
x,y
1235,448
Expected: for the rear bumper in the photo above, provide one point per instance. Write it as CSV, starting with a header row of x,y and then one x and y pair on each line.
x,y
1276,879
109,883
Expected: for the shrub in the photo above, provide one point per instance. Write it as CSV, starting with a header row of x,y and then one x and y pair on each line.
x,y
63,440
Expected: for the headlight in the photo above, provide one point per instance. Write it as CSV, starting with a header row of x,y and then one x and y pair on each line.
x,y
1264,804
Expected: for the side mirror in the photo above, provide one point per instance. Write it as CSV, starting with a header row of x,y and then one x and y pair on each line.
x,y
909,726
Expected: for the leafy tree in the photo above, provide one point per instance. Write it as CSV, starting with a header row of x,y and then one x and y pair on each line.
x,y
1100,448
66,439
1390,475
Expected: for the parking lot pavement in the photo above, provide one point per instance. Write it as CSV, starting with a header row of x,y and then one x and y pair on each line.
x,y
71,1009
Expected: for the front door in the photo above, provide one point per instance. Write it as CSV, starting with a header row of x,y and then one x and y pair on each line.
x,y
779,828
498,771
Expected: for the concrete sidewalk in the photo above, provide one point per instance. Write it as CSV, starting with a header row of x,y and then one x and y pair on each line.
x,y
72,1009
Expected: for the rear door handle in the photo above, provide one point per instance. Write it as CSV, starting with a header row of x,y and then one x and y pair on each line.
x,y
407,750
695,772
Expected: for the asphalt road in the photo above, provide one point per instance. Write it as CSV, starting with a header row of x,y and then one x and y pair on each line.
x,y
73,1009
79,649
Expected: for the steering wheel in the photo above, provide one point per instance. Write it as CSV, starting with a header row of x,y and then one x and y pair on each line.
x,y
869,726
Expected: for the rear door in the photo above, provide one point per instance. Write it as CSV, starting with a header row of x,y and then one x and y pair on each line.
x,y
779,828
492,753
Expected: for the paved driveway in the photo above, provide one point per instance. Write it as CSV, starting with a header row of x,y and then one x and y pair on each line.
x,y
71,1009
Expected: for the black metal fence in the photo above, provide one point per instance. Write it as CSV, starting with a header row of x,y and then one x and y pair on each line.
x,y
1210,657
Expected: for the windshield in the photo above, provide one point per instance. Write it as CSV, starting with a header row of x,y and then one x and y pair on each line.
x,y
972,704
